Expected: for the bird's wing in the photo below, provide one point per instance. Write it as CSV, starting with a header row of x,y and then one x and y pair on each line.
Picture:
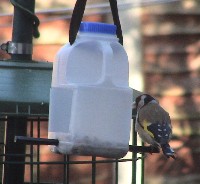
x,y
153,113
156,122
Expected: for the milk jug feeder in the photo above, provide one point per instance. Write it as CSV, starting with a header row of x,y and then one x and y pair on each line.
x,y
90,99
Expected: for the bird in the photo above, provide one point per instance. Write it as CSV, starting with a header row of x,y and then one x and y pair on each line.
x,y
153,124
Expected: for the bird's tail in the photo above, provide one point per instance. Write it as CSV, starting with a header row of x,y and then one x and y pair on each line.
x,y
168,151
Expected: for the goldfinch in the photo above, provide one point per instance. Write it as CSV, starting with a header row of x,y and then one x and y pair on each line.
x,y
153,124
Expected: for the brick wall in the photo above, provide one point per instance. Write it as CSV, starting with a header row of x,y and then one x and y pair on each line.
x,y
171,37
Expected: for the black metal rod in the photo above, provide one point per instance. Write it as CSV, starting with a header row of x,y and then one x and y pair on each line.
x,y
23,27
134,153
14,173
70,162
143,149
35,141
93,169
116,171
68,168
64,169
38,151
142,167
31,153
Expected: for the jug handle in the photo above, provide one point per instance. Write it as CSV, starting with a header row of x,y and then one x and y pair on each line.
x,y
107,53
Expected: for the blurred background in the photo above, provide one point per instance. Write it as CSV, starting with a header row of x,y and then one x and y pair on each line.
x,y
162,39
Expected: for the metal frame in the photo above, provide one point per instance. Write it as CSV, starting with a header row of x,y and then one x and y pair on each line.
x,y
33,157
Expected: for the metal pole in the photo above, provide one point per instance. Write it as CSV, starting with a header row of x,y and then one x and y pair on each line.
x,y
13,171
23,27
134,154
16,125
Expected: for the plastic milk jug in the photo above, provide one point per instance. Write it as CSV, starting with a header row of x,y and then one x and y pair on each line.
x,y
90,99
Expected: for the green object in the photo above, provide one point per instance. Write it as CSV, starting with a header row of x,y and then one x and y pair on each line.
x,y
24,87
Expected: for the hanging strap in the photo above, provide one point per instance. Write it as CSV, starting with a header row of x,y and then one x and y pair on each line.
x,y
77,16
115,14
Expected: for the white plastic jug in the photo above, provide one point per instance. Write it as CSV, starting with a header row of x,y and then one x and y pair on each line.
x,y
90,99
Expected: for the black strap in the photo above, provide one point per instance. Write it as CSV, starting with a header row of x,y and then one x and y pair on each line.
x,y
115,14
77,16
76,19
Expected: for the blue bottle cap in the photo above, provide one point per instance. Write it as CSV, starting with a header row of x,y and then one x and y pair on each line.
x,y
97,27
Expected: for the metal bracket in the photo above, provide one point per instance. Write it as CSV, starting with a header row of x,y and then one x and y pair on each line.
x,y
17,48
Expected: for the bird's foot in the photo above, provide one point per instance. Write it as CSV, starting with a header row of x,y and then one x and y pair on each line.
x,y
171,156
